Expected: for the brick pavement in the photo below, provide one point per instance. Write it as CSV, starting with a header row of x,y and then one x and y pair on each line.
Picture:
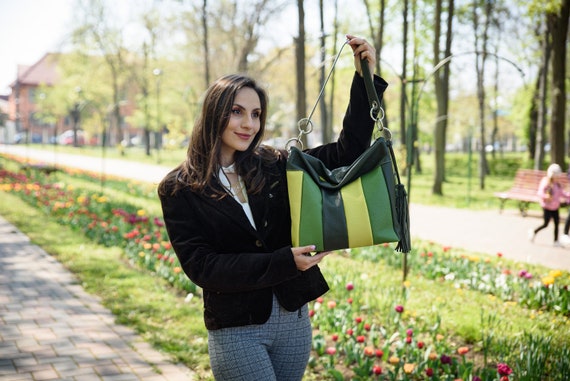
x,y
51,329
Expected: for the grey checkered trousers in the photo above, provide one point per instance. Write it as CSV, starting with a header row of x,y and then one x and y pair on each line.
x,y
275,351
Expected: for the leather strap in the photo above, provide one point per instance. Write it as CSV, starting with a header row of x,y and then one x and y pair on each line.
x,y
370,90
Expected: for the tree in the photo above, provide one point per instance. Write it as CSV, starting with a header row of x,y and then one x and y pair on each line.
x,y
481,40
539,101
206,42
97,34
326,126
403,76
441,81
300,67
329,126
557,20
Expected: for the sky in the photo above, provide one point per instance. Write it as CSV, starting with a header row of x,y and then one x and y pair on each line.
x,y
28,30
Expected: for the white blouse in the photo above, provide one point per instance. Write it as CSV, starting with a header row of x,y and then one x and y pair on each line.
x,y
234,192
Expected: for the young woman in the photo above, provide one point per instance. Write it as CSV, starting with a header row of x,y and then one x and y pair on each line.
x,y
226,211
551,195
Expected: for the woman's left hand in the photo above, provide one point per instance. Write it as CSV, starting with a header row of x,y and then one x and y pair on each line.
x,y
303,258
361,49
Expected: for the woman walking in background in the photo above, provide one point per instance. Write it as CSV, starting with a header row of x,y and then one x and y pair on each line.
x,y
551,194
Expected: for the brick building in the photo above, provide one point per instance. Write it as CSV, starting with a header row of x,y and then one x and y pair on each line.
x,y
24,126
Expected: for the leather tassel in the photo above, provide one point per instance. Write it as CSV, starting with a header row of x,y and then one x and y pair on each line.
x,y
403,217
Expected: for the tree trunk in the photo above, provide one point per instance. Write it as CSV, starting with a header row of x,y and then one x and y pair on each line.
x,y
533,117
559,32
206,43
332,79
300,66
541,99
326,130
439,149
441,81
415,98
403,97
480,60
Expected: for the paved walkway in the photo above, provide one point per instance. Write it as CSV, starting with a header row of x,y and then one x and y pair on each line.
x,y
491,232
51,329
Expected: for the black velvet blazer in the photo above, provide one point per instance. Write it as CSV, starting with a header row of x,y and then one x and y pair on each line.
x,y
238,267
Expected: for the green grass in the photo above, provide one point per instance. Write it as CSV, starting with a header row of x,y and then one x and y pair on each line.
x,y
161,316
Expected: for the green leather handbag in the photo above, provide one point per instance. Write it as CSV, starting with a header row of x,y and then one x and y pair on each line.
x,y
362,204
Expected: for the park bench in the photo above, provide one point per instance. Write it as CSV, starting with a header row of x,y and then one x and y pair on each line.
x,y
525,188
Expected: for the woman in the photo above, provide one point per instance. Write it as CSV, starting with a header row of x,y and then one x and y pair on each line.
x,y
551,194
226,211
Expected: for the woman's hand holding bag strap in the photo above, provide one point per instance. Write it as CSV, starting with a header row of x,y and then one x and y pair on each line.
x,y
362,204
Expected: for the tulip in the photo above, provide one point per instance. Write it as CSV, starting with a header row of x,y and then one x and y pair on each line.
x,y
377,370
503,369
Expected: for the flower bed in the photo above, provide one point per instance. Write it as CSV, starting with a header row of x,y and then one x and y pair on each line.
x,y
351,341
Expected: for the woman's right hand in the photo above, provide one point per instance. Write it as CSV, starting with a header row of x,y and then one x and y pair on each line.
x,y
362,50
303,258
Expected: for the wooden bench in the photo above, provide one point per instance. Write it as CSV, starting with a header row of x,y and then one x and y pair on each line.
x,y
525,188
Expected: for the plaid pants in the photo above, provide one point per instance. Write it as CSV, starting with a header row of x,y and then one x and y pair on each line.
x,y
275,351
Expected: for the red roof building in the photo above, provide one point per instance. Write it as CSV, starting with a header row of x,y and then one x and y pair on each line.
x,y
22,105
22,100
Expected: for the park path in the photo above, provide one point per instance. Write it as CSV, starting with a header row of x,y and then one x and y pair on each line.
x,y
51,329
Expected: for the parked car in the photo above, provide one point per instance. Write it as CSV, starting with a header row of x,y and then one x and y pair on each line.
x,y
20,138
66,138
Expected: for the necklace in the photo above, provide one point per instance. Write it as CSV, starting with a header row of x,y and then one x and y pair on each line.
x,y
237,189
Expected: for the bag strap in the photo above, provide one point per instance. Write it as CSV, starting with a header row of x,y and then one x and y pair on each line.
x,y
305,125
373,99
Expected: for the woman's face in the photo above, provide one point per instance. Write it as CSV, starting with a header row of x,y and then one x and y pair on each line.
x,y
244,123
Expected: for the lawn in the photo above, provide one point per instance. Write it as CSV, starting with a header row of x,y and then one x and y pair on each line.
x,y
457,315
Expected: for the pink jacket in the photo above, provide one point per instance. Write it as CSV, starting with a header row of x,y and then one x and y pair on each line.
x,y
551,194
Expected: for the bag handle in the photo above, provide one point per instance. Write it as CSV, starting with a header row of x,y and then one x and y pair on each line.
x,y
375,107
305,125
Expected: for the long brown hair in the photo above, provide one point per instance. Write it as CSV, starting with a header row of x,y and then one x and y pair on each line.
x,y
200,169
